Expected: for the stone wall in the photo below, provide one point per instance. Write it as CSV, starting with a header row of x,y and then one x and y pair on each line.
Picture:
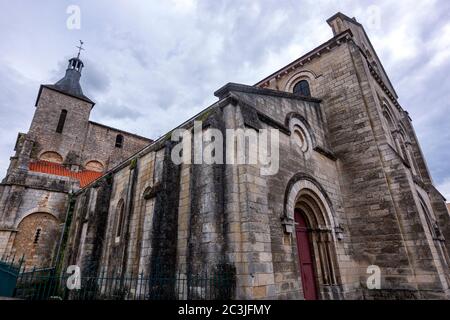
x,y
100,145
81,140
349,163
24,192
24,209
69,144
381,169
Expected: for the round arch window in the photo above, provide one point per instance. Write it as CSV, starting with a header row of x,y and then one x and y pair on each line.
x,y
301,88
300,138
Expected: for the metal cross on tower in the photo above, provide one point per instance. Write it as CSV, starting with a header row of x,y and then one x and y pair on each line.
x,y
80,47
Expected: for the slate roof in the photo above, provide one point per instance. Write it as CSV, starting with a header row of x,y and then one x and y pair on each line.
x,y
70,83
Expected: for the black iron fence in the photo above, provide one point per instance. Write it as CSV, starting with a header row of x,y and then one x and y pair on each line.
x,y
46,284
9,272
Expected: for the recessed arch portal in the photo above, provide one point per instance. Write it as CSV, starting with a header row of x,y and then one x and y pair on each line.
x,y
301,184
308,206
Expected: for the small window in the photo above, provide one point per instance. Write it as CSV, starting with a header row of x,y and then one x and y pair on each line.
x,y
62,120
37,235
302,89
119,141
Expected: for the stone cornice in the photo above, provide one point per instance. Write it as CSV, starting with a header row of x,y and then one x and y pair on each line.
x,y
33,187
383,86
236,87
317,52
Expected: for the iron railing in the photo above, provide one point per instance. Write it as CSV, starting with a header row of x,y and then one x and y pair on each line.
x,y
46,284
9,272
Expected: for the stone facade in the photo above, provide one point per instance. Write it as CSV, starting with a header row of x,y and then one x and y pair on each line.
x,y
33,204
350,167
349,162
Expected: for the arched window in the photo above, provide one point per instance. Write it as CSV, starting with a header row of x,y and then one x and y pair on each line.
x,y
391,127
302,89
406,149
120,217
119,141
389,120
431,221
62,120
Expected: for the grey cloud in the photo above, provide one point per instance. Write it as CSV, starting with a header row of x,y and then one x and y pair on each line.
x,y
151,65
117,112
16,110
96,80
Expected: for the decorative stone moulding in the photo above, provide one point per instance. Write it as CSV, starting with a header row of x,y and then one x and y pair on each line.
x,y
339,231
151,192
336,41
288,224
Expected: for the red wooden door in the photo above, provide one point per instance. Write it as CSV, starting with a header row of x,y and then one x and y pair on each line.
x,y
305,258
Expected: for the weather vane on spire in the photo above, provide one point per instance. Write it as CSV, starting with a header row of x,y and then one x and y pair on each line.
x,y
80,47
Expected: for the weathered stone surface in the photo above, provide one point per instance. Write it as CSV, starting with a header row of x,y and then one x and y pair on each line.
x,y
26,195
350,167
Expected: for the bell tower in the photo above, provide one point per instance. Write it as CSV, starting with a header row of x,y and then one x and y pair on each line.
x,y
61,118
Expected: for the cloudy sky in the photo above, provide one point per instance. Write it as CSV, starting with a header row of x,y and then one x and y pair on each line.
x,y
149,65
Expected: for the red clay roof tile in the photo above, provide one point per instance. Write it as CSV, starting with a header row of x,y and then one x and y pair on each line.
x,y
84,177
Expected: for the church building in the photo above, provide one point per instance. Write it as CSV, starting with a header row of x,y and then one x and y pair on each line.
x,y
352,198
62,152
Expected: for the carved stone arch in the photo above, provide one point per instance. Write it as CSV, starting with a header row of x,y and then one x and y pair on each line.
x,y
313,209
429,217
51,156
389,115
403,131
94,165
309,208
33,211
295,115
145,228
390,121
298,76
434,228
301,184
386,106
119,218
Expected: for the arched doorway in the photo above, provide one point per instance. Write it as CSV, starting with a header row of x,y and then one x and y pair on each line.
x,y
316,233
305,256
308,205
